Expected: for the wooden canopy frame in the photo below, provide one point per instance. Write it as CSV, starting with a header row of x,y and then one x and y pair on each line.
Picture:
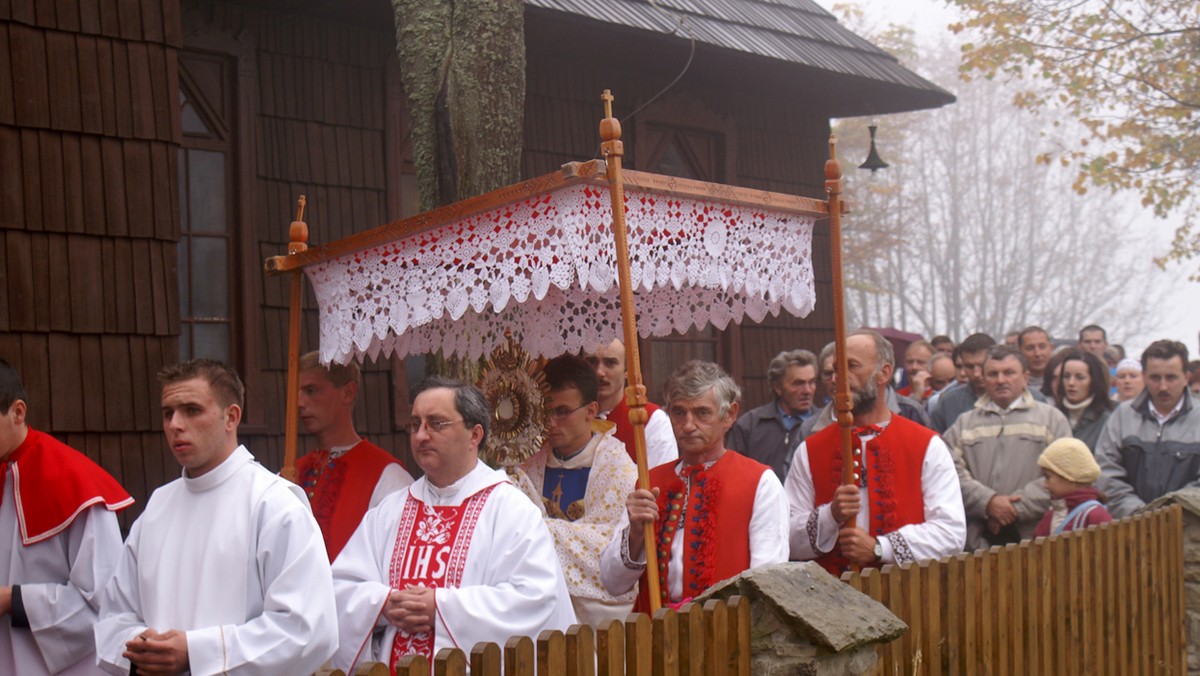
x,y
607,172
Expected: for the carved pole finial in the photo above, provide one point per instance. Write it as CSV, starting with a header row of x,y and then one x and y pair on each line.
x,y
298,231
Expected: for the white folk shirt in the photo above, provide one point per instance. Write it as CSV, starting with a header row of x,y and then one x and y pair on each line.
x,y
61,579
512,583
661,446
235,559
942,534
768,542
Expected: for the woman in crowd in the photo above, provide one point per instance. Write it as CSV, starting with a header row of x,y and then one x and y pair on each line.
x,y
1082,395
1129,379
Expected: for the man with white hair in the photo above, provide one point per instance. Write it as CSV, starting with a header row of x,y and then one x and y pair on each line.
x,y
715,513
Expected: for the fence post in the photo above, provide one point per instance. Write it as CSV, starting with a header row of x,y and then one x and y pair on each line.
x,y
610,649
518,656
485,659
581,651
639,640
667,647
551,653
450,662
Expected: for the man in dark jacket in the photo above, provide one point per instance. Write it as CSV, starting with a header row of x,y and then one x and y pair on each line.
x,y
771,432
1151,444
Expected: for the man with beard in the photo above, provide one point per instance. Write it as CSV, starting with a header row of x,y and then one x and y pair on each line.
x,y
996,446
771,432
905,503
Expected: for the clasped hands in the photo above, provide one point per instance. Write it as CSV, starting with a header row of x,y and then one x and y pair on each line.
x,y
411,610
156,654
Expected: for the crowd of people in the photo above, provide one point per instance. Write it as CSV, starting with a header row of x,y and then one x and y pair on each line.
x,y
233,569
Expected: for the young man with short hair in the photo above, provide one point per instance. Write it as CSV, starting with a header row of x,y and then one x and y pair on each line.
x,y
225,571
348,474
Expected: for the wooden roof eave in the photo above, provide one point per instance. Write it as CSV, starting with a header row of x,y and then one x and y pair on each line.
x,y
572,173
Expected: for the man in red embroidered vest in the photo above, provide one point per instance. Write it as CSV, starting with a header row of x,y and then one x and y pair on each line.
x,y
609,362
906,504
458,557
715,514
58,508
349,475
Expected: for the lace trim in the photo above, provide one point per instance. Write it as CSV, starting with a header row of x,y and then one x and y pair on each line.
x,y
900,549
545,269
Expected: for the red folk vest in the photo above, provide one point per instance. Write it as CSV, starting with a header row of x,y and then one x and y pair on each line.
x,y
340,490
717,517
894,460
619,416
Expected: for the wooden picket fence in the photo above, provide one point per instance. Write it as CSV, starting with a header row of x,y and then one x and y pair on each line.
x,y
708,640
1108,600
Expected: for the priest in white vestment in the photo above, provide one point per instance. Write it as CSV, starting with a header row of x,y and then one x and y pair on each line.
x,y
59,510
579,481
226,571
458,557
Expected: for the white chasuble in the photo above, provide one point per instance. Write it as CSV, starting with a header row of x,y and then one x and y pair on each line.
x,y
233,558
490,559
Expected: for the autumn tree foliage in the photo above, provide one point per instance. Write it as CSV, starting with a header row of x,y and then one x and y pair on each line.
x,y
1126,70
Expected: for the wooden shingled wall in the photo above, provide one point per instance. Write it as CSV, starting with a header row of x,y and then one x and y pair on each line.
x,y
327,123
89,199
88,298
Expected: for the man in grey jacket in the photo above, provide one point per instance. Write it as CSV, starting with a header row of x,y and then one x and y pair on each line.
x,y
996,446
1151,444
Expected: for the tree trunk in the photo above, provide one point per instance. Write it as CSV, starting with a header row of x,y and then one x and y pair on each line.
x,y
463,67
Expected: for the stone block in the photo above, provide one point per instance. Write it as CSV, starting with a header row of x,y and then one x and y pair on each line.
x,y
813,605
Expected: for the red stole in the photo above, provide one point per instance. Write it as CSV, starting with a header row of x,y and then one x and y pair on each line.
x,y
54,483
431,551
339,490
619,416
717,516
894,460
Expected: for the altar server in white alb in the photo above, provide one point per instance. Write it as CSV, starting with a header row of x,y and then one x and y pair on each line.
x,y
62,544
458,557
226,571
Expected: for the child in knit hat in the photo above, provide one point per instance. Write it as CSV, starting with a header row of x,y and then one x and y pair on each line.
x,y
1070,472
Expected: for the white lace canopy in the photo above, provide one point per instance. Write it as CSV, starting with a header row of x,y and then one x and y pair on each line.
x,y
545,269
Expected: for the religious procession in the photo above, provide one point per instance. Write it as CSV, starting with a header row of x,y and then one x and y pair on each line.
x,y
365,338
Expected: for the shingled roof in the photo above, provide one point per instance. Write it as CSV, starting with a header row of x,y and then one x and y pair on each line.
x,y
855,76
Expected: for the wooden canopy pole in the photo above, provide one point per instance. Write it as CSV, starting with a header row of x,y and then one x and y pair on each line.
x,y
635,391
842,402
298,243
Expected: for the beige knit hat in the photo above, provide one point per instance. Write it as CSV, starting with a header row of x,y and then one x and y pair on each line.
x,y
1071,459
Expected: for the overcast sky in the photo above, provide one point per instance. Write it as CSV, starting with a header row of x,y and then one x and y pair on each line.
x,y
1180,310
